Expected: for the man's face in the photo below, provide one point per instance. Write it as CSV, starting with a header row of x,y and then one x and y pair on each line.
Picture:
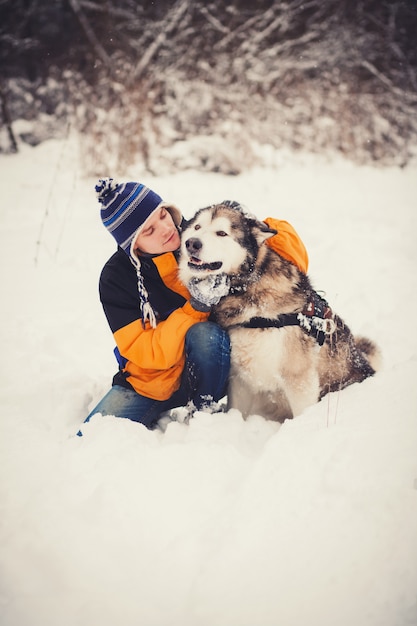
x,y
158,235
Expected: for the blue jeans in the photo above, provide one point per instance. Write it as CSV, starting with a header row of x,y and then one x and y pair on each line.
x,y
204,380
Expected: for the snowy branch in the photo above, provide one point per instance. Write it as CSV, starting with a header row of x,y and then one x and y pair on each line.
x,y
90,34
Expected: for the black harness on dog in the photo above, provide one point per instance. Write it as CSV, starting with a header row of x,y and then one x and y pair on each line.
x,y
316,319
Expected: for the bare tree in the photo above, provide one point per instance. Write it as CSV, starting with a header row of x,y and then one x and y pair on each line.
x,y
339,74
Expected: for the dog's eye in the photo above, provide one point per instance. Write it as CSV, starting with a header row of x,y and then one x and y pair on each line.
x,y
221,233
197,227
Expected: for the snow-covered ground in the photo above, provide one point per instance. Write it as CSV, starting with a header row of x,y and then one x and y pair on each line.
x,y
221,522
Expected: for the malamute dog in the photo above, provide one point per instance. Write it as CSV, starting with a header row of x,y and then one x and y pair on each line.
x,y
288,348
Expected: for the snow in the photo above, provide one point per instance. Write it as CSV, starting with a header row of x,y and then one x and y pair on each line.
x,y
222,522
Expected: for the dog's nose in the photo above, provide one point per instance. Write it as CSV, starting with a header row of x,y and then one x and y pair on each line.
x,y
193,244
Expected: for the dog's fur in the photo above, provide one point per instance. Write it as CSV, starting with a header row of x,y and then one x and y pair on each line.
x,y
275,372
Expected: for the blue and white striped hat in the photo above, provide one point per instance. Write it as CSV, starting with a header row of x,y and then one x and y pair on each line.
x,y
124,210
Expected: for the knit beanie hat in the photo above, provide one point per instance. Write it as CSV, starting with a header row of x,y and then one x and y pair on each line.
x,y
124,210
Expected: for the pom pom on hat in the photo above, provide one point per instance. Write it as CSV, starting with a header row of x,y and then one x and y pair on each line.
x,y
104,187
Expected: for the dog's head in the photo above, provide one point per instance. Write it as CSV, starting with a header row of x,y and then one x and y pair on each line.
x,y
220,239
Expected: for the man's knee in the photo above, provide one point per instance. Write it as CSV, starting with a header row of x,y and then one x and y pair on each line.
x,y
207,336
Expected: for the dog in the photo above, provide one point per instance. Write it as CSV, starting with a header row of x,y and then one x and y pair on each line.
x,y
288,349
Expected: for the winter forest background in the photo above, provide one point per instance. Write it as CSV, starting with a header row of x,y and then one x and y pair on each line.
x,y
136,79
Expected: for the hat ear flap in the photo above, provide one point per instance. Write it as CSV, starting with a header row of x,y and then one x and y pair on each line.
x,y
174,212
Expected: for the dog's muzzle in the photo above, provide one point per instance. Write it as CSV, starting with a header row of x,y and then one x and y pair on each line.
x,y
194,247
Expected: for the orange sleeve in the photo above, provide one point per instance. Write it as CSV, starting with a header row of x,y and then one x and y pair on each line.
x,y
155,356
287,243
158,348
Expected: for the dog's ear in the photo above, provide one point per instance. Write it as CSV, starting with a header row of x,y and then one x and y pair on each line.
x,y
261,230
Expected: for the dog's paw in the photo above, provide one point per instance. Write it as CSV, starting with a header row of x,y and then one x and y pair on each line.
x,y
209,290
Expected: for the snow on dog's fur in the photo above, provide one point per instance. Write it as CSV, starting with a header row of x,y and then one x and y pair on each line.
x,y
275,372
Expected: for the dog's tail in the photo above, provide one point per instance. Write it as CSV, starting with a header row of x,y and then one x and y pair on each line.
x,y
370,351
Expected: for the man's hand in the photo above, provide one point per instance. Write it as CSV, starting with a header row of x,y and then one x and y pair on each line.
x,y
207,291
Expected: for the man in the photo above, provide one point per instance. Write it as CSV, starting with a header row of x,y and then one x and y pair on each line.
x,y
169,354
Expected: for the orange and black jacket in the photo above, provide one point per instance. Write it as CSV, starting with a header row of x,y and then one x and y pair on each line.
x,y
153,358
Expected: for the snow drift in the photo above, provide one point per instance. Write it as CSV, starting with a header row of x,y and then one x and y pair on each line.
x,y
223,522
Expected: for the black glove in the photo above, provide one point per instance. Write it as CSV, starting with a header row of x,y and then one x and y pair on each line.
x,y
207,291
